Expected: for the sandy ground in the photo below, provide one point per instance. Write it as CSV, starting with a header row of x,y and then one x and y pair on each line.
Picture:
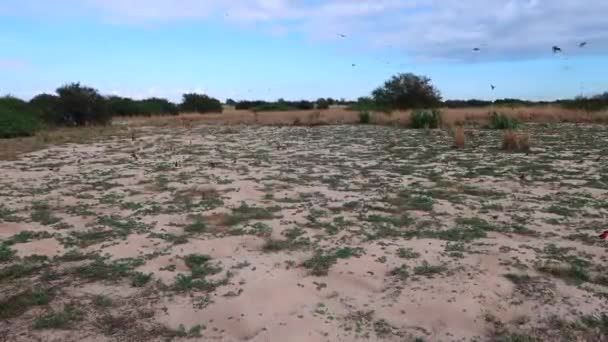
x,y
331,233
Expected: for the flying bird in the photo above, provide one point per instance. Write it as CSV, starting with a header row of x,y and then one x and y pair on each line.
x,y
604,235
354,65
492,86
556,49
342,35
476,49
583,44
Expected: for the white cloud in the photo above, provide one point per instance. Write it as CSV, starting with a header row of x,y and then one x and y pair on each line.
x,y
425,29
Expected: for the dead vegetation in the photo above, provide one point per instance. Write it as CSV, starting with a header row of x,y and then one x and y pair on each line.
x,y
515,141
459,137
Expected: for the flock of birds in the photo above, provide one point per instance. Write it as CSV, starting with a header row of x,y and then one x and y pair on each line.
x,y
556,49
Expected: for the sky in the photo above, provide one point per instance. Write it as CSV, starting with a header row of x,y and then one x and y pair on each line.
x,y
304,49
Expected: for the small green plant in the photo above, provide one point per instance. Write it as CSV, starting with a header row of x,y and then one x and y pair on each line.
x,y
401,272
198,226
41,212
573,274
501,121
518,278
115,270
428,270
6,253
141,279
245,213
102,301
320,263
195,331
18,304
272,245
58,319
407,253
364,117
425,119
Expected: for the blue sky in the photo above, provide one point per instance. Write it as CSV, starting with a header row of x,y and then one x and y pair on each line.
x,y
267,49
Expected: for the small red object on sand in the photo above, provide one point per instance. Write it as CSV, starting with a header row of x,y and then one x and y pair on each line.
x,y
604,235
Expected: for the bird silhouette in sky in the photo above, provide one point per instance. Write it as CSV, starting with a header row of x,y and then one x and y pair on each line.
x,y
492,86
342,35
556,49
582,44
476,49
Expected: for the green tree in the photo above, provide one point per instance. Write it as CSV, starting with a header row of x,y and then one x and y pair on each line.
x,y
200,103
407,91
81,105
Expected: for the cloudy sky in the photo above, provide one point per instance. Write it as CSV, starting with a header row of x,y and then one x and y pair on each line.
x,y
293,49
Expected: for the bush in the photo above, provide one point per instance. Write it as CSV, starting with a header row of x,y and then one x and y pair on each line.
x,y
322,103
466,103
364,117
407,91
303,105
272,107
592,104
501,121
122,106
81,106
425,119
368,104
47,108
17,119
199,103
157,106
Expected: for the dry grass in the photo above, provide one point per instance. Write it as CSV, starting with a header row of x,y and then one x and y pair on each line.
x,y
11,148
459,137
513,141
450,117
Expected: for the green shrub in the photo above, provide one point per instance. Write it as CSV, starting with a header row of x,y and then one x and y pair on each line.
x,y
81,106
198,103
588,104
425,119
501,121
157,106
17,118
322,103
272,107
364,117
46,107
122,106
369,104
406,91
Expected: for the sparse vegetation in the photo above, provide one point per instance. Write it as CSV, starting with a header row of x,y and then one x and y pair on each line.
x,y
425,119
364,117
459,137
501,121
513,141
58,319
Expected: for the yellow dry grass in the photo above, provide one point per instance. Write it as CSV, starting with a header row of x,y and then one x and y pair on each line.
x,y
450,117
513,141
459,137
12,148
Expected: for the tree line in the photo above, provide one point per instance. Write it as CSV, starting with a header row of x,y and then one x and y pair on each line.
x,y
78,105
